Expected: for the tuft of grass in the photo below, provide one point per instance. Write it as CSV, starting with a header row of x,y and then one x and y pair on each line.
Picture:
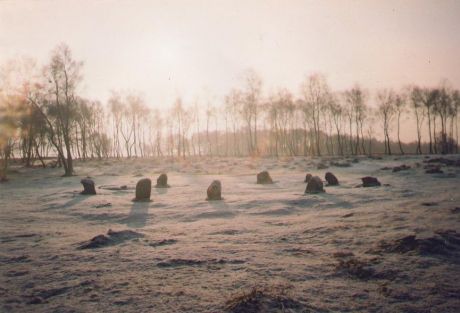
x,y
356,268
263,299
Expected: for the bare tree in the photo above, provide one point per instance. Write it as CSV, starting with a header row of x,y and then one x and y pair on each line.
x,y
251,106
429,97
336,111
315,92
197,113
417,103
210,112
58,105
127,129
355,99
399,105
444,108
9,120
233,102
280,109
386,109
370,130
116,109
156,132
454,117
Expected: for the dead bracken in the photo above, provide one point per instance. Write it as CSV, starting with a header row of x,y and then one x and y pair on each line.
x,y
263,300
445,242
355,268
112,238
197,262
164,242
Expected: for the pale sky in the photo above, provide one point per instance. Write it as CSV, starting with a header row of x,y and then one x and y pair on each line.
x,y
200,48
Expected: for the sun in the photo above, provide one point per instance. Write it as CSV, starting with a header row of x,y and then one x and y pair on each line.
x,y
169,52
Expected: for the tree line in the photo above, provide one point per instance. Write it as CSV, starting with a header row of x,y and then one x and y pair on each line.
x,y
43,116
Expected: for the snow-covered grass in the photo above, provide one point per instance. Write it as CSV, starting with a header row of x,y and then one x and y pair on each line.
x,y
193,255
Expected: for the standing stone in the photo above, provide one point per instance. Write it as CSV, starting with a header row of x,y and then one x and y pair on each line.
x,y
308,177
315,185
264,178
88,187
331,179
162,181
214,191
369,181
143,189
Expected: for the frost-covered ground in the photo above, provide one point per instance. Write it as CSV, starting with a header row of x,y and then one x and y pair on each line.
x,y
347,250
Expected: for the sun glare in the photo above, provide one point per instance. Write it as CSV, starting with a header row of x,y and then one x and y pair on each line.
x,y
168,52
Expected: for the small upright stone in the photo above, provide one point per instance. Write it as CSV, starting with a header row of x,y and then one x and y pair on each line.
x,y
162,181
88,187
264,178
369,181
331,179
315,185
214,191
308,177
143,190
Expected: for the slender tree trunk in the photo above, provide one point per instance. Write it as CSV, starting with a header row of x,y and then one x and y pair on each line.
x,y
69,168
226,137
37,152
429,130
362,139
399,139
435,148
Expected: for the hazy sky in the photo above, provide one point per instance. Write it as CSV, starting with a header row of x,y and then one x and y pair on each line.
x,y
196,48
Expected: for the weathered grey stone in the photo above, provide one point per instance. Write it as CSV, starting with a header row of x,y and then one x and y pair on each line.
x,y
331,179
370,181
162,181
264,178
143,189
315,185
88,187
214,191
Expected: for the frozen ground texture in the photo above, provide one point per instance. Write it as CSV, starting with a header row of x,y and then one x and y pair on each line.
x,y
264,248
